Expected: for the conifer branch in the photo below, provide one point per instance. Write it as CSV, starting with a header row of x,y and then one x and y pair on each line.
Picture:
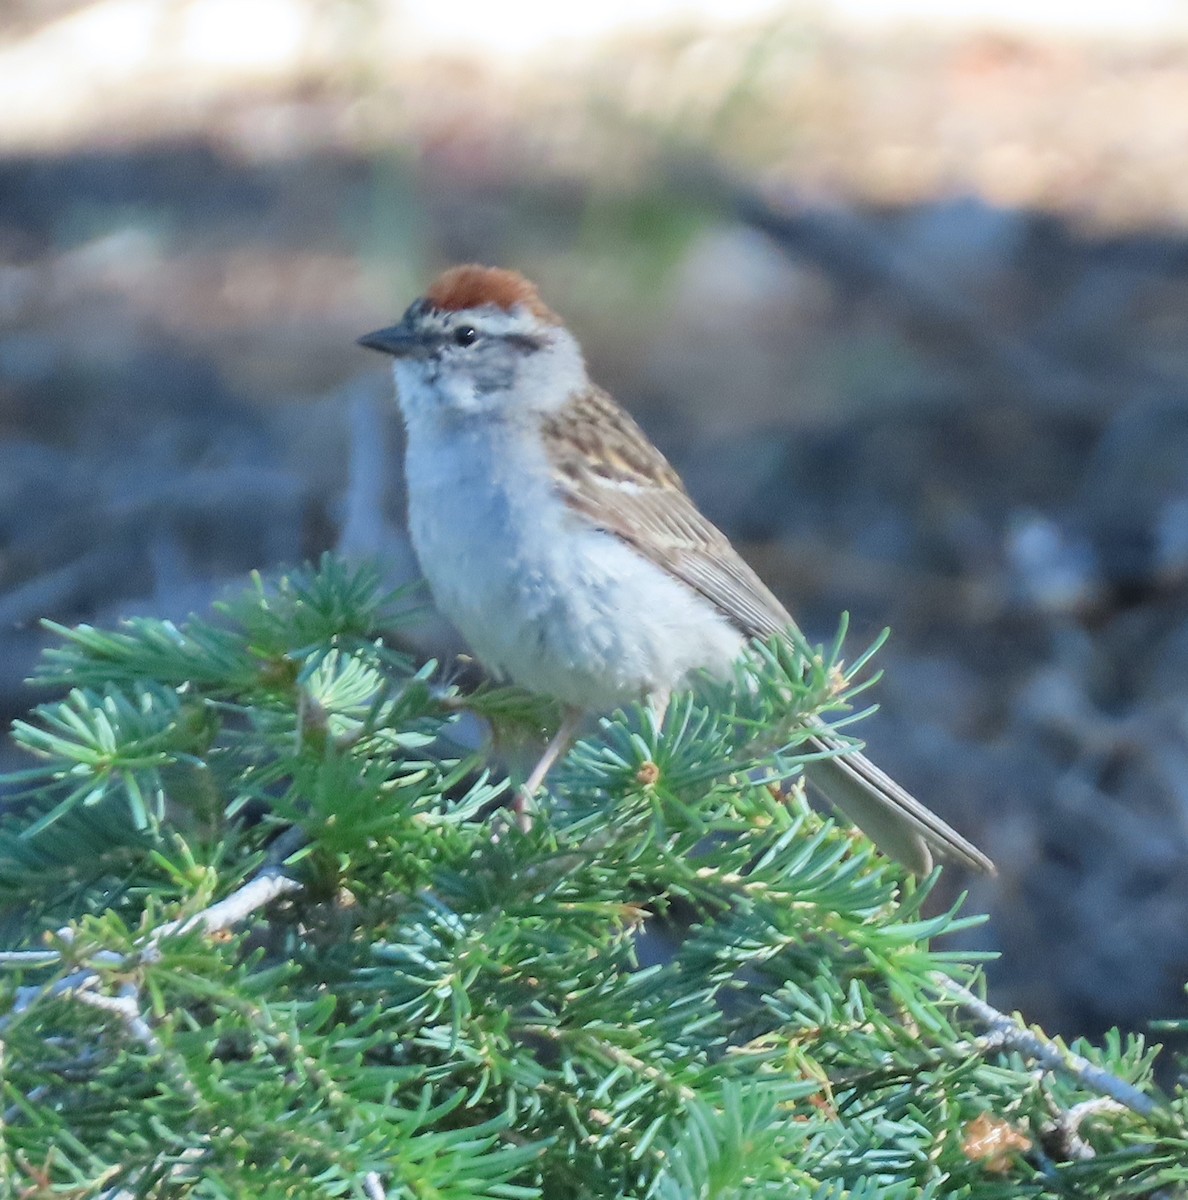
x,y
259,892
125,1005
678,983
1062,1138
1009,1032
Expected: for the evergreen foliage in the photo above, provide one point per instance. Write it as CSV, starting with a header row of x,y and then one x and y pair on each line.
x,y
271,933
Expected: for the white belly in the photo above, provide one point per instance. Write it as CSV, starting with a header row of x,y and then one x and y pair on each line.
x,y
544,599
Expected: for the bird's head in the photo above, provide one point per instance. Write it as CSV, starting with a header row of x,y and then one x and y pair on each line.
x,y
480,340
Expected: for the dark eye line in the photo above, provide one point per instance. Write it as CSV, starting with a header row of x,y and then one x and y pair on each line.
x,y
467,335
524,341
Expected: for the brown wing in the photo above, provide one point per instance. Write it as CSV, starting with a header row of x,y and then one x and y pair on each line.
x,y
606,469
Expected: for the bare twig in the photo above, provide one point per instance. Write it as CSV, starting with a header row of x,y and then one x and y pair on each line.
x,y
126,1006
261,890
257,893
28,958
1014,1035
1062,1137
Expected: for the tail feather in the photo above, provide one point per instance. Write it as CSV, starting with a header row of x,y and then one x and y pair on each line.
x,y
893,819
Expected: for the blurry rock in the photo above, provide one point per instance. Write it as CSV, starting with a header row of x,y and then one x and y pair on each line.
x,y
21,648
370,511
28,358
732,352
1132,482
1171,541
1053,571
1164,668
963,241
741,482
17,290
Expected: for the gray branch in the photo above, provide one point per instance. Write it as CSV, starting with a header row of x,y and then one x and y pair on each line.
x,y
1014,1035
259,891
28,958
126,1006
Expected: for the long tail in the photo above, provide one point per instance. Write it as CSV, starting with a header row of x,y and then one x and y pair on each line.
x,y
894,819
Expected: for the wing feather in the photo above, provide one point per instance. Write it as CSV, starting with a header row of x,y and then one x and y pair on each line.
x,y
607,470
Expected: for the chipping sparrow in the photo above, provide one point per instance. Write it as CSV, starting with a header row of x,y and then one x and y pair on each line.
x,y
564,547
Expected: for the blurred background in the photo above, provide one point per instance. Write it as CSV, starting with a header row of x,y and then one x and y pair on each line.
x,y
901,286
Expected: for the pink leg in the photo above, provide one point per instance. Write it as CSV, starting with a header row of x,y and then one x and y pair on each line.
x,y
659,701
558,744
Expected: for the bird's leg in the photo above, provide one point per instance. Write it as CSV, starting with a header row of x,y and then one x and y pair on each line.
x,y
658,701
558,744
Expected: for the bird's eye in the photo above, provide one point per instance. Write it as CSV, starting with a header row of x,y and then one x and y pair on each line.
x,y
465,335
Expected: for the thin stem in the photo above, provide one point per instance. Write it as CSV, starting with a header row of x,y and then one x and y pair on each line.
x,y
1013,1034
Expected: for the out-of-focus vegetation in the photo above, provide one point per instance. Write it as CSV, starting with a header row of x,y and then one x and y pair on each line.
x,y
907,306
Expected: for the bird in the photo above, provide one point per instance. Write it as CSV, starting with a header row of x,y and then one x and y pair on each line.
x,y
567,551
